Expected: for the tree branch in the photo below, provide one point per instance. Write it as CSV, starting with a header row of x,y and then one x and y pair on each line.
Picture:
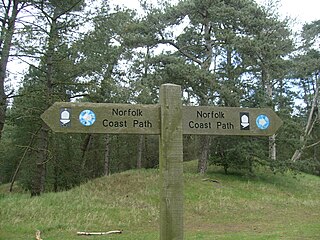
x,y
180,49
80,95
308,128
312,145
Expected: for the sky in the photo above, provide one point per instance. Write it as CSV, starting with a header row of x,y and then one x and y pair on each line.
x,y
301,10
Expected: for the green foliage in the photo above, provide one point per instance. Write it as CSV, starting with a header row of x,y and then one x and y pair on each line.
x,y
305,72
8,155
239,153
311,34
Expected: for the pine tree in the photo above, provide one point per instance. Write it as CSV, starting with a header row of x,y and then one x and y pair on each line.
x,y
307,71
219,45
9,15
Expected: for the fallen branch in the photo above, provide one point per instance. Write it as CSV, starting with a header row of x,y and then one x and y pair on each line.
x,y
210,180
38,237
99,233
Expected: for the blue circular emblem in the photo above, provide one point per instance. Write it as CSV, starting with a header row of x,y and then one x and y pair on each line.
x,y
262,122
87,117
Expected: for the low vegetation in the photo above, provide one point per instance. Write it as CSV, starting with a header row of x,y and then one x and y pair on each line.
x,y
234,206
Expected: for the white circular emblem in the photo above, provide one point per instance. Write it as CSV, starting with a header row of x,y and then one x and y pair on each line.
x,y
87,117
262,122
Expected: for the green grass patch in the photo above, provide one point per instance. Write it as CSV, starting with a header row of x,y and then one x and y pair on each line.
x,y
265,206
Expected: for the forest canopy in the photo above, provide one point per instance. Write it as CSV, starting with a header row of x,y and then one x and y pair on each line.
x,y
226,53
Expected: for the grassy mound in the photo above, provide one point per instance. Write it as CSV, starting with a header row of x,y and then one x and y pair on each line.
x,y
230,207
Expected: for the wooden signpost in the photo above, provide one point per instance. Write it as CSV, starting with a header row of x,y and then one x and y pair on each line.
x,y
230,121
170,120
103,118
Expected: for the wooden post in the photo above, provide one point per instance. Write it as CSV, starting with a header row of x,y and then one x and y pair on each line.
x,y
171,163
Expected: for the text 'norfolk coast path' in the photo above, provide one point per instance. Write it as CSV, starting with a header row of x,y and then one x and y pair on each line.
x,y
145,119
103,118
206,120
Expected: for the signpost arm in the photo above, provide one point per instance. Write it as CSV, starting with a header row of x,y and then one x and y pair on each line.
x,y
171,163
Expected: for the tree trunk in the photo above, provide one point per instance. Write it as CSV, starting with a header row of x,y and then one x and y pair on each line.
x,y
205,62
140,150
266,82
272,147
5,45
206,65
56,175
107,155
204,155
38,181
85,147
308,129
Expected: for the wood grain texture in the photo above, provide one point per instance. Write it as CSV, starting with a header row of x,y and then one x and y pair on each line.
x,y
110,118
171,163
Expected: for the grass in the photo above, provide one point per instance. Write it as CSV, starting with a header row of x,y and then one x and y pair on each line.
x,y
238,207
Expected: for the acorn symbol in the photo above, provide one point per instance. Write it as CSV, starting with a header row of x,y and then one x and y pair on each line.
x,y
65,117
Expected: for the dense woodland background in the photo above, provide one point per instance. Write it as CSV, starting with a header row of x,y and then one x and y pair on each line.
x,y
222,52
